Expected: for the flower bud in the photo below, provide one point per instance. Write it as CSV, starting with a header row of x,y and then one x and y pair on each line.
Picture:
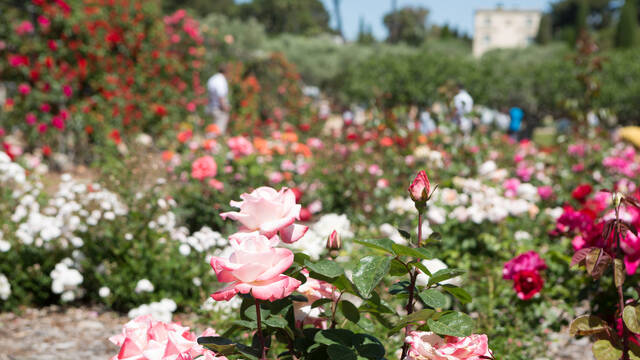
x,y
420,187
334,242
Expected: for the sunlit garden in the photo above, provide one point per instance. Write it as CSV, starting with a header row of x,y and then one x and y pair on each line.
x,y
242,180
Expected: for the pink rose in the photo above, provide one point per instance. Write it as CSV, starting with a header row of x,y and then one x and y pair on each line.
x,y
143,338
240,146
313,290
631,246
269,212
545,192
420,187
525,261
24,89
334,242
254,267
67,90
425,345
204,167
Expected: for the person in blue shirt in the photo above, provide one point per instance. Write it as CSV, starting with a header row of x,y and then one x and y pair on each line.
x,y
516,122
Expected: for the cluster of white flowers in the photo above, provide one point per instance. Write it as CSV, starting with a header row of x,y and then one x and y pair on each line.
x,y
4,245
401,205
314,242
201,241
224,309
5,287
11,172
66,280
394,235
433,266
433,158
74,207
144,285
161,310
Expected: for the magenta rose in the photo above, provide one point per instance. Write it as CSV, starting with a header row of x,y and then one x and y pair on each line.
x,y
425,345
204,167
254,267
525,261
420,187
270,212
527,283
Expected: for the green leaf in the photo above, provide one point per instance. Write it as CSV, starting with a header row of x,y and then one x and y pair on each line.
x,y
334,336
453,324
397,268
340,352
368,346
587,325
420,253
325,267
246,324
459,293
349,311
421,267
385,245
422,315
276,322
631,317
618,272
435,236
320,302
405,234
300,258
369,272
218,344
433,298
444,274
604,350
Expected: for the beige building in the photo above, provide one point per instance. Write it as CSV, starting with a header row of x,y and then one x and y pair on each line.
x,y
502,28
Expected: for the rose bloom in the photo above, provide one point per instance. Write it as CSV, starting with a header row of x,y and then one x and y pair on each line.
x,y
204,167
525,261
269,212
143,338
24,89
545,192
581,192
254,267
420,187
527,283
313,290
240,146
425,345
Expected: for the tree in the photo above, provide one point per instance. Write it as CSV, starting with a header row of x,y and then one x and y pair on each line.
x,y
407,25
581,16
306,17
627,26
545,30
365,36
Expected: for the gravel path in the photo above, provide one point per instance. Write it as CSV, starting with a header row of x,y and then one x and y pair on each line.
x,y
81,333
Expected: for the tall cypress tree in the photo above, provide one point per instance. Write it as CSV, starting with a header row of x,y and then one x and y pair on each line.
x,y
627,26
581,16
544,31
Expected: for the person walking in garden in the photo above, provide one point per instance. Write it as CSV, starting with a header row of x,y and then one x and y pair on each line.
x,y
516,122
463,104
218,107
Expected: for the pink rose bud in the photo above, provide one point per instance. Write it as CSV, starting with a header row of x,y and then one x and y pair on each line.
x,y
420,187
334,242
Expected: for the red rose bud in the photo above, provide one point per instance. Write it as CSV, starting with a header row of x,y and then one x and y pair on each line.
x,y
334,242
305,214
420,187
298,193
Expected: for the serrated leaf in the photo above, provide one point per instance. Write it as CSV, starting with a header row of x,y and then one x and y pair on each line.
x,y
340,352
378,244
444,274
579,256
276,322
587,325
435,236
349,311
325,267
596,262
452,324
619,274
405,234
420,253
397,268
631,317
334,336
369,272
421,267
422,315
604,350
459,293
433,298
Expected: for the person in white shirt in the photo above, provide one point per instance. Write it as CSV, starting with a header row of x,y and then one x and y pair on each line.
x,y
463,103
218,107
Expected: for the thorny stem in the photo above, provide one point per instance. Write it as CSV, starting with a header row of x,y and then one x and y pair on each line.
x,y
618,238
334,307
263,355
412,285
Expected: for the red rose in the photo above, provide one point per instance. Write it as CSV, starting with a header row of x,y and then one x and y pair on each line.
x,y
527,283
581,192
420,187
305,214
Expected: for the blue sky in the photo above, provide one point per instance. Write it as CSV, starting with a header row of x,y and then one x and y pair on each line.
x,y
458,13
